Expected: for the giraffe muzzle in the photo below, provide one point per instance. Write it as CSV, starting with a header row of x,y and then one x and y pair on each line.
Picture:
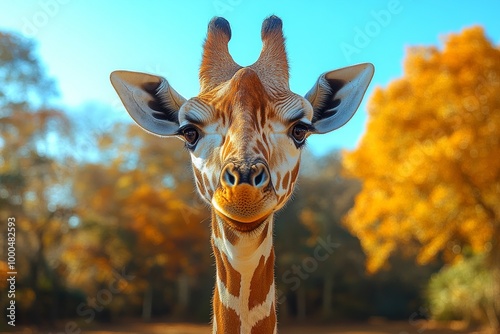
x,y
245,193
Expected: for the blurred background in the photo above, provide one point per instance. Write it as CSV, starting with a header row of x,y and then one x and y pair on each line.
x,y
403,200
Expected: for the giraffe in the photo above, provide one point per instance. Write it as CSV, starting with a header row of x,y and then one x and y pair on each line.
x,y
244,132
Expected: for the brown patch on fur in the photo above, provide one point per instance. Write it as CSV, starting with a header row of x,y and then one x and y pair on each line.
x,y
206,182
261,282
267,324
227,319
197,174
263,149
263,234
284,183
232,237
295,171
215,226
226,273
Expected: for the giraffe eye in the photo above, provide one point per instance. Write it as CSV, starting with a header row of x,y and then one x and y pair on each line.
x,y
299,133
191,135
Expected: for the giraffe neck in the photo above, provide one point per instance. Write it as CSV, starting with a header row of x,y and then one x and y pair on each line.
x,y
244,294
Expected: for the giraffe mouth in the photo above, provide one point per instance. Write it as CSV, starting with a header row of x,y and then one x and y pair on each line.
x,y
244,207
240,226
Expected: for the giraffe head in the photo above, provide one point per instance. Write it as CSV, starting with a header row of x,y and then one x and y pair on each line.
x,y
245,129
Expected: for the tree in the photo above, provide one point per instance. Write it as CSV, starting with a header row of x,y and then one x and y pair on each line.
x,y
318,261
468,281
137,210
32,180
320,265
429,158
22,77
327,197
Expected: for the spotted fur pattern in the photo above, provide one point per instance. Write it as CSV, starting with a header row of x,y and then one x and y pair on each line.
x,y
245,115
240,121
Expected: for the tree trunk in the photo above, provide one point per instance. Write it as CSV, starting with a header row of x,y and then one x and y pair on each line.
x,y
33,278
183,293
36,272
301,303
147,303
327,295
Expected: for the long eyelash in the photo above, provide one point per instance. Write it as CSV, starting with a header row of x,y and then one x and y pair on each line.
x,y
180,131
310,127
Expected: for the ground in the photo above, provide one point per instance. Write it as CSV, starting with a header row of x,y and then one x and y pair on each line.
x,y
374,327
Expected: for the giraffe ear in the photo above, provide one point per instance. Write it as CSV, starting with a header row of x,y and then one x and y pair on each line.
x,y
337,94
150,101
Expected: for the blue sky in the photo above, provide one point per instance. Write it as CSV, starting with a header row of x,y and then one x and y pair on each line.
x,y
81,42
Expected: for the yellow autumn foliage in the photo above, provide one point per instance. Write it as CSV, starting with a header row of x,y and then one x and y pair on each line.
x,y
429,160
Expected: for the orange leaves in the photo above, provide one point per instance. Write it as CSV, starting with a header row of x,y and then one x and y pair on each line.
x,y
464,49
150,212
429,159
138,210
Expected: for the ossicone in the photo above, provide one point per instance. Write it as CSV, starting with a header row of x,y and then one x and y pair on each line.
x,y
219,25
272,24
217,65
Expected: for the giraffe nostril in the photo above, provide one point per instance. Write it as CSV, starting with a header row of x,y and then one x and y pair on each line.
x,y
258,179
256,175
228,176
260,175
